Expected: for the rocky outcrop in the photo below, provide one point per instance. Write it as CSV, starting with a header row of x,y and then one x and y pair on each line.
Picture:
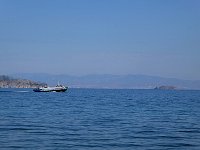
x,y
9,82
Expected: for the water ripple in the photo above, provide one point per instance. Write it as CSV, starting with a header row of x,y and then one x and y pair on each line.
x,y
100,119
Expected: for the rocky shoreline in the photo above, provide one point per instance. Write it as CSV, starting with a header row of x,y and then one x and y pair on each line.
x,y
9,82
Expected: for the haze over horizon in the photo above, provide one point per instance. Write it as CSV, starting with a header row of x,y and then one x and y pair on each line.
x,y
159,38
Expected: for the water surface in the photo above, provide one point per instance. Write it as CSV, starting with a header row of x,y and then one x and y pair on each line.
x,y
100,119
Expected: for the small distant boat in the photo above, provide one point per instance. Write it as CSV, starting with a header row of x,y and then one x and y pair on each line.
x,y
57,88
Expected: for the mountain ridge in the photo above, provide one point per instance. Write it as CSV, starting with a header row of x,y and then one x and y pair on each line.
x,y
112,81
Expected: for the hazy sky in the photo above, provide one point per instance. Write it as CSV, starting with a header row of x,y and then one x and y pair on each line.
x,y
78,37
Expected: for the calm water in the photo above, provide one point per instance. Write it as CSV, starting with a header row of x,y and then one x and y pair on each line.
x,y
100,119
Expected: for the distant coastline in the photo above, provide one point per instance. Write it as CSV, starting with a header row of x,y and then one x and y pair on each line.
x,y
98,81
106,81
9,82
164,87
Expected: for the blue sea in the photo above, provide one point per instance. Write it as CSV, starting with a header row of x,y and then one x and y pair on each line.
x,y
100,119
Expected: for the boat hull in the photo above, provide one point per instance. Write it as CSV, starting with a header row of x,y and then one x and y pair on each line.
x,y
56,89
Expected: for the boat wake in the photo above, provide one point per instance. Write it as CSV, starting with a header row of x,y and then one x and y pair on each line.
x,y
22,91
15,91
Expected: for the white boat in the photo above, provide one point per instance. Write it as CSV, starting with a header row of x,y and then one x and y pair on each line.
x,y
57,88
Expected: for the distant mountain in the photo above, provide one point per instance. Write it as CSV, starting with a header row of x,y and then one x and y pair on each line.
x,y
112,81
9,82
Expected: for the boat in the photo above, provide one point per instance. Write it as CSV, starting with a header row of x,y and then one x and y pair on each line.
x,y
57,88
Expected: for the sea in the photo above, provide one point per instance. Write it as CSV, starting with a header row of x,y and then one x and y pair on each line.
x,y
100,119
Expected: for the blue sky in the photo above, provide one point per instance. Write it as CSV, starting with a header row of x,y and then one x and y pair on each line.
x,y
78,37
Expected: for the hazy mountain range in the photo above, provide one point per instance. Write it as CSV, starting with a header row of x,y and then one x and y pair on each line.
x,y
111,81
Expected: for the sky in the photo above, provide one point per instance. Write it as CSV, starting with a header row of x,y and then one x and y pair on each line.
x,y
80,37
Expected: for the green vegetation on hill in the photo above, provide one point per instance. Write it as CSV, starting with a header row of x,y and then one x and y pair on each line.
x,y
9,82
